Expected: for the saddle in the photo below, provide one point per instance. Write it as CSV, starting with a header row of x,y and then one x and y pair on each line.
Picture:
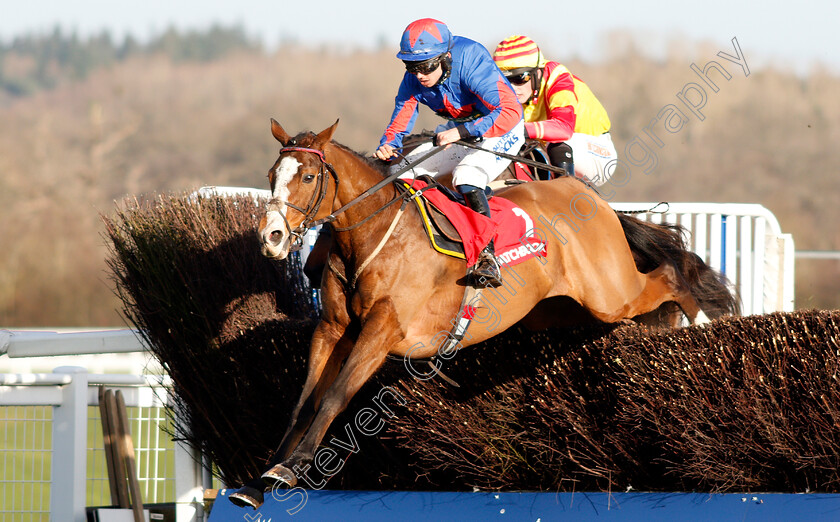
x,y
442,234
438,206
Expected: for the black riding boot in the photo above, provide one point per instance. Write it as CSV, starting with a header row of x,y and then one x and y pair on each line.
x,y
560,155
486,270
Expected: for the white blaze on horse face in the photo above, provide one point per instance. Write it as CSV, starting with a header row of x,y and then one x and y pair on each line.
x,y
275,219
285,172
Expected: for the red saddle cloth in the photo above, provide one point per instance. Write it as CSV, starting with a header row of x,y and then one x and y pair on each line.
x,y
511,228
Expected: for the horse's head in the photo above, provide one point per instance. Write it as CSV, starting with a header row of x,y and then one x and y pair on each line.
x,y
300,188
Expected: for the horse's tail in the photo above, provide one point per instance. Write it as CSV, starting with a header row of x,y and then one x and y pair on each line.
x,y
653,243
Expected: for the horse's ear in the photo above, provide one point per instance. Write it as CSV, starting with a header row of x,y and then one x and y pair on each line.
x,y
278,132
325,135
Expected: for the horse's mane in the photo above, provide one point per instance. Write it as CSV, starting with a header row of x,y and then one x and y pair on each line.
x,y
376,164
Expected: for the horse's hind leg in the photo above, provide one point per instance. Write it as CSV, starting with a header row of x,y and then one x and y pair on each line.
x,y
666,283
663,284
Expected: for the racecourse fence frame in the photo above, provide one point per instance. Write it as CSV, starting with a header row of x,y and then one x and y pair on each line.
x,y
52,449
48,417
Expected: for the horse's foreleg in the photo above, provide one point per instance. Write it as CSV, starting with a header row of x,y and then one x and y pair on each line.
x,y
317,382
366,357
326,353
323,366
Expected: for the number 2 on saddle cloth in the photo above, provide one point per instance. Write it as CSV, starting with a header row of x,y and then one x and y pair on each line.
x,y
455,230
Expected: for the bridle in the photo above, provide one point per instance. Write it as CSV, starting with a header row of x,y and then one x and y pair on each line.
x,y
314,205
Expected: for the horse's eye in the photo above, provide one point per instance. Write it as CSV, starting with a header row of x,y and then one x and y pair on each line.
x,y
308,178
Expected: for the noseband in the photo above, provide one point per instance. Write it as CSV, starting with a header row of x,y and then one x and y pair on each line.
x,y
314,203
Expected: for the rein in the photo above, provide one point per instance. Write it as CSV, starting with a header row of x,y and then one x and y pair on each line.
x,y
320,193
526,161
472,143
371,190
318,196
652,210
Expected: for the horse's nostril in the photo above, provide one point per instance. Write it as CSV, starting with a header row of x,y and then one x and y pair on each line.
x,y
275,237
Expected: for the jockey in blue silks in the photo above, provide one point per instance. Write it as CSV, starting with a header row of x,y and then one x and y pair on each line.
x,y
457,78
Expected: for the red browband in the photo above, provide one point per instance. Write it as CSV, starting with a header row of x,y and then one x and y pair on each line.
x,y
304,149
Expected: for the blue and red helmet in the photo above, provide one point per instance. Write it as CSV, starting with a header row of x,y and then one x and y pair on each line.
x,y
424,39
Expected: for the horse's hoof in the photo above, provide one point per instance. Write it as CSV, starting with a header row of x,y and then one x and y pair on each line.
x,y
278,475
246,496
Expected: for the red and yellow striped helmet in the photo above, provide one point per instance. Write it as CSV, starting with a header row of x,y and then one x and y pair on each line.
x,y
518,52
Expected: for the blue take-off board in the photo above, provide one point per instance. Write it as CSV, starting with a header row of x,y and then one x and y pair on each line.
x,y
301,505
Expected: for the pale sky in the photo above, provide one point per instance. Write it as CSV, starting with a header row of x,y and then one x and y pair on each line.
x,y
789,34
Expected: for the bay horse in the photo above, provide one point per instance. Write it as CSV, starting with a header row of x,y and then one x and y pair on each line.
x,y
390,295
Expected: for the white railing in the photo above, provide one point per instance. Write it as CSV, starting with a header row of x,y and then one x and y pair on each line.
x,y
744,241
52,451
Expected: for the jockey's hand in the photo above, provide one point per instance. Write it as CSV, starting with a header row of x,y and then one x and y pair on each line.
x,y
385,152
446,137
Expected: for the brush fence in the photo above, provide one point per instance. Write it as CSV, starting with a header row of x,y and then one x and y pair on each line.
x,y
51,450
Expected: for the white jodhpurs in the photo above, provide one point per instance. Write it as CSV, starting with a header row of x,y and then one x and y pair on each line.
x,y
468,166
594,156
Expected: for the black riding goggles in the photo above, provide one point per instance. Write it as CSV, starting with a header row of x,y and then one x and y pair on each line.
x,y
521,78
424,67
